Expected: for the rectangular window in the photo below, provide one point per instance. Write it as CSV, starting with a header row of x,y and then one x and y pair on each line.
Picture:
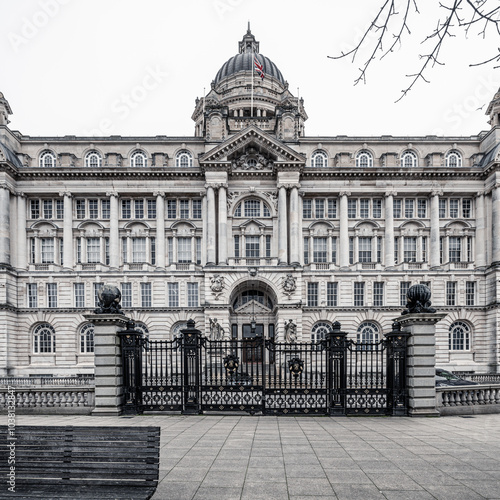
x,y
409,208
332,294
79,290
307,209
106,209
151,209
78,250
466,208
192,292
138,250
404,286
173,294
320,208
422,208
35,209
351,209
319,250
442,208
378,294
469,249
410,248
124,250
252,247
454,208
51,294
424,248
126,209
170,246
93,250
139,209
80,209
470,293
334,249
32,251
97,287
32,289
451,293
396,207
237,251
59,209
61,251
364,208
359,294
396,249
152,243
145,294
171,209
364,249
184,209
47,209
106,251
93,209
312,294
184,250
351,250
441,251
198,250
332,208
196,209
126,294
268,246
306,251
47,250
454,251
379,248
377,208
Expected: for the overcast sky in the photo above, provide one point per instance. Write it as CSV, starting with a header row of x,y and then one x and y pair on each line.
x,y
124,67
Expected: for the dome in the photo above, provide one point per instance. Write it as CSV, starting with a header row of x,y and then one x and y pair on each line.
x,y
248,49
244,62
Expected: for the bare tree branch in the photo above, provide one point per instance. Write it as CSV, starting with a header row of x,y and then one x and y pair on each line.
x,y
388,22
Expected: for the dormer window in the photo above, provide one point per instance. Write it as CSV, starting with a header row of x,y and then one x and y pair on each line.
x,y
319,159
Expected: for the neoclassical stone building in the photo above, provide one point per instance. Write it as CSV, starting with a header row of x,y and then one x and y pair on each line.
x,y
248,221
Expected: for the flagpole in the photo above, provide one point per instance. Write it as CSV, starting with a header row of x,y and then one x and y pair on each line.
x,y
252,65
203,100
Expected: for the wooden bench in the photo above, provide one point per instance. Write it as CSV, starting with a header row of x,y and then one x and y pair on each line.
x,y
81,462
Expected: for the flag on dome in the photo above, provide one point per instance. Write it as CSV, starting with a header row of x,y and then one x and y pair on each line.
x,y
258,67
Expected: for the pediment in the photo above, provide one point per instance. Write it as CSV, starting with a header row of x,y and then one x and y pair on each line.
x,y
252,150
253,308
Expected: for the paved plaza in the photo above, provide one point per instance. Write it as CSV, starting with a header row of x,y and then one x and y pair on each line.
x,y
224,457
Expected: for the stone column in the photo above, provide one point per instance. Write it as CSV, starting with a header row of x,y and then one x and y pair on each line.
x,y
68,253
222,225
160,229
114,240
22,260
434,247
294,226
495,225
480,231
301,235
108,363
421,362
282,227
344,231
211,257
204,216
389,229
5,224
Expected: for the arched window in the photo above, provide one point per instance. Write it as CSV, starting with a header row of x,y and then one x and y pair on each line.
x,y
184,159
319,159
138,159
93,159
175,331
47,159
364,159
459,336
142,328
252,208
87,338
44,338
319,331
368,333
409,159
453,159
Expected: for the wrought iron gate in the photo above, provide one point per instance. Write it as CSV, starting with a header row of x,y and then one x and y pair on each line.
x,y
336,375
